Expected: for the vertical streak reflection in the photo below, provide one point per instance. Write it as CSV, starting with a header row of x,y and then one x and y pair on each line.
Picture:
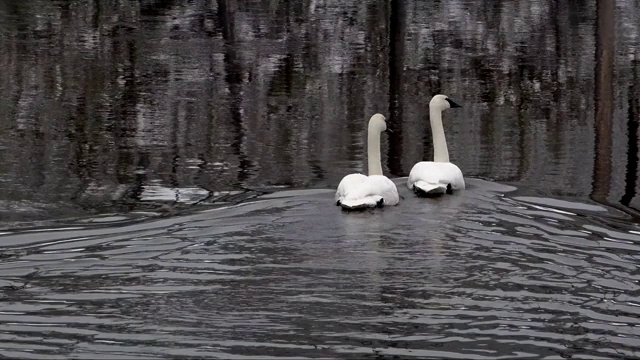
x,y
397,34
605,51
631,176
233,78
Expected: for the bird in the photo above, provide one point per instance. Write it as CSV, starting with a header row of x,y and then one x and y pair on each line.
x,y
437,177
359,191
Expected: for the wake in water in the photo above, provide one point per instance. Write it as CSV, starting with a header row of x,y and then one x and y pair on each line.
x,y
490,275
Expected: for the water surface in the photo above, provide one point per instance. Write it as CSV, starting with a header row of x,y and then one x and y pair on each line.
x,y
102,102
167,172
487,274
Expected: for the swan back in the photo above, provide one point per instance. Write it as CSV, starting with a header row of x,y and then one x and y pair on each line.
x,y
441,175
375,190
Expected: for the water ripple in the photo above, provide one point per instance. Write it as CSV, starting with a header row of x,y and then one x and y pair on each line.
x,y
481,275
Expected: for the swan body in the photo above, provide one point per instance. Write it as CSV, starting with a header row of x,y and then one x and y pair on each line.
x,y
437,177
358,191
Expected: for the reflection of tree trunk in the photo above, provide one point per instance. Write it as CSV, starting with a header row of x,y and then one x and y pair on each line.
x,y
175,147
557,126
233,72
523,124
396,66
520,107
631,177
77,116
96,14
555,24
208,153
141,177
605,48
126,116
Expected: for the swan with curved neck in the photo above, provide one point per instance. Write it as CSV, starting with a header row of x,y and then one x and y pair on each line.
x,y
437,177
358,191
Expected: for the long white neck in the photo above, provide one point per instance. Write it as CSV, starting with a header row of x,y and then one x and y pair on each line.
x,y
440,151
373,151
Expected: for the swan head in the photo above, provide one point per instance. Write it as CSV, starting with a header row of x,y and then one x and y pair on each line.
x,y
378,123
442,102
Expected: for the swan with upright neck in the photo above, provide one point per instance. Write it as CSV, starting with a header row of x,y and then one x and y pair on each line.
x,y
437,177
358,191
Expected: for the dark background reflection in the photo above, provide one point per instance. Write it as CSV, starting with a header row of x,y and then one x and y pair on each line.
x,y
100,100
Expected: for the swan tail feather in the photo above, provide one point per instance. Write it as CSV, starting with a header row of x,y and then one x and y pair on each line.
x,y
424,188
366,202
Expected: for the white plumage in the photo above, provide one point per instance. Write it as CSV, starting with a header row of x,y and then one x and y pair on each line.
x,y
358,191
437,177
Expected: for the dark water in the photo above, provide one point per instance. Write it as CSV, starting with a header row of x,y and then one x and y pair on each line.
x,y
103,102
141,144
489,274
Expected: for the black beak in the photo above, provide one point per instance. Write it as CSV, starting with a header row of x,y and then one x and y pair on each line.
x,y
452,104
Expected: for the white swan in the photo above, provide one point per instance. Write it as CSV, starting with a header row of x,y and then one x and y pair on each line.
x,y
439,176
358,191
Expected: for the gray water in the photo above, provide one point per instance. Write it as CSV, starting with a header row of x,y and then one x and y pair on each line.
x,y
487,274
167,171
